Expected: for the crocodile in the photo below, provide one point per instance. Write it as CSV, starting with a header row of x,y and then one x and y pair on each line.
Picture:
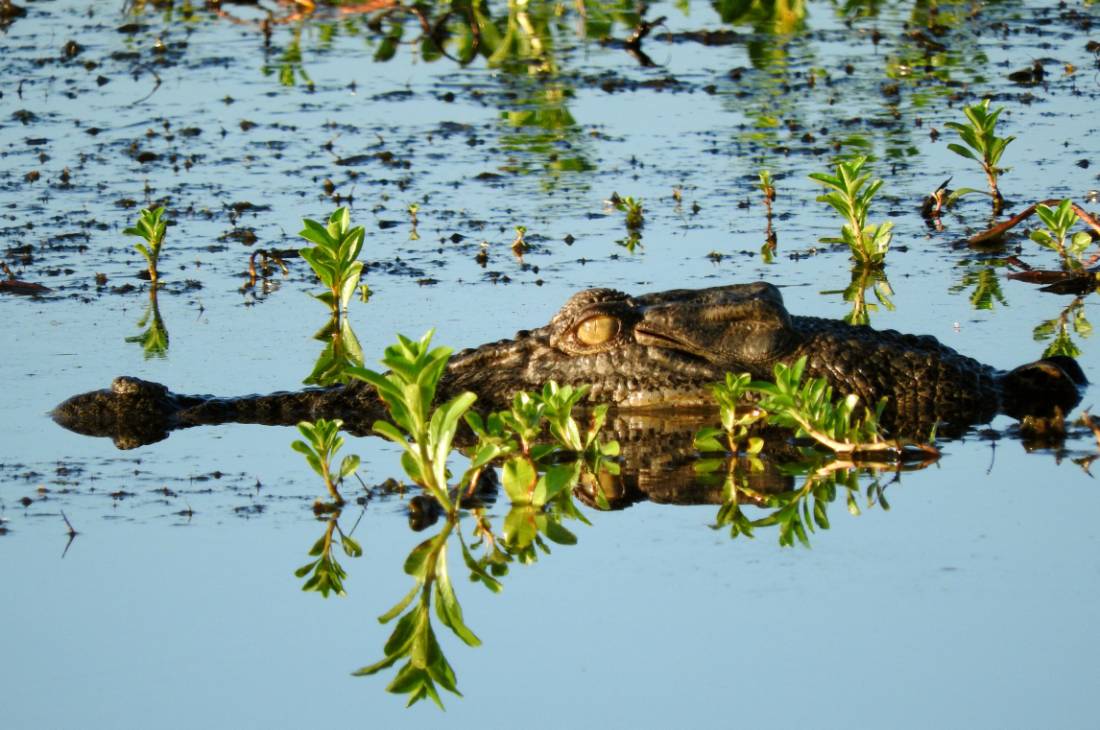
x,y
646,353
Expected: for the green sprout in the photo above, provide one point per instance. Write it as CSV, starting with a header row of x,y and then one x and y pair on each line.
x,y
1059,221
767,187
519,245
323,440
151,227
738,416
981,145
425,434
413,209
335,257
807,408
851,195
635,212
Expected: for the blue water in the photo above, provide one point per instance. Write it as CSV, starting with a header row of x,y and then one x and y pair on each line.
x,y
968,603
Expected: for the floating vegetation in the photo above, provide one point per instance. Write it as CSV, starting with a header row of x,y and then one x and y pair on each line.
x,y
852,440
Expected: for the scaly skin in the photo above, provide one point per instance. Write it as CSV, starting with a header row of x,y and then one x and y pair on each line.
x,y
648,353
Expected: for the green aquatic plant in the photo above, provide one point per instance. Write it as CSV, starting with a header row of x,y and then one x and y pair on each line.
x,y
323,440
326,575
767,187
426,434
981,144
519,244
151,227
807,408
538,478
633,209
1058,222
739,415
850,194
413,210
334,257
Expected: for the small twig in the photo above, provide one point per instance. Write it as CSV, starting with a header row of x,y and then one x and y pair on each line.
x,y
1088,420
634,42
74,533
1005,226
155,86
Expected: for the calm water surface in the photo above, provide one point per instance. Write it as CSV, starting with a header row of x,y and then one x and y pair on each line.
x,y
969,603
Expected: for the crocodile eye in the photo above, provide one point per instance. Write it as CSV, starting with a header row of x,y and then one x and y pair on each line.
x,y
597,330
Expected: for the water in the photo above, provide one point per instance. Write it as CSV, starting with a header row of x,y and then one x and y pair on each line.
x,y
967,603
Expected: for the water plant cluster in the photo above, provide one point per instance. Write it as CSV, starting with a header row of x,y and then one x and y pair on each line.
x,y
543,451
847,443
538,477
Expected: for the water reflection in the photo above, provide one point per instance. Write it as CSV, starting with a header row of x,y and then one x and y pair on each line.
x,y
154,340
983,281
1061,329
787,488
326,575
865,278
342,350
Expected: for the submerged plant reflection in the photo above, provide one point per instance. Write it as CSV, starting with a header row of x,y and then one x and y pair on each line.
x,y
326,575
342,351
1071,319
796,513
984,283
154,340
864,278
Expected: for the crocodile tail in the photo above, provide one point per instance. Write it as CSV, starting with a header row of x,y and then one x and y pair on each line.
x,y
1041,388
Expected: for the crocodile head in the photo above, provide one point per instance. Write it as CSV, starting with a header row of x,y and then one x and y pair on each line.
x,y
647,351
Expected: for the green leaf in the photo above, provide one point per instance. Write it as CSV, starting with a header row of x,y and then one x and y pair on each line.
x,y
403,634
399,606
447,606
305,569
349,465
959,150
416,564
351,547
518,477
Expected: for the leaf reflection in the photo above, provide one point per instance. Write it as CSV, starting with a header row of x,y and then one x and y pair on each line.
x,y
154,340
